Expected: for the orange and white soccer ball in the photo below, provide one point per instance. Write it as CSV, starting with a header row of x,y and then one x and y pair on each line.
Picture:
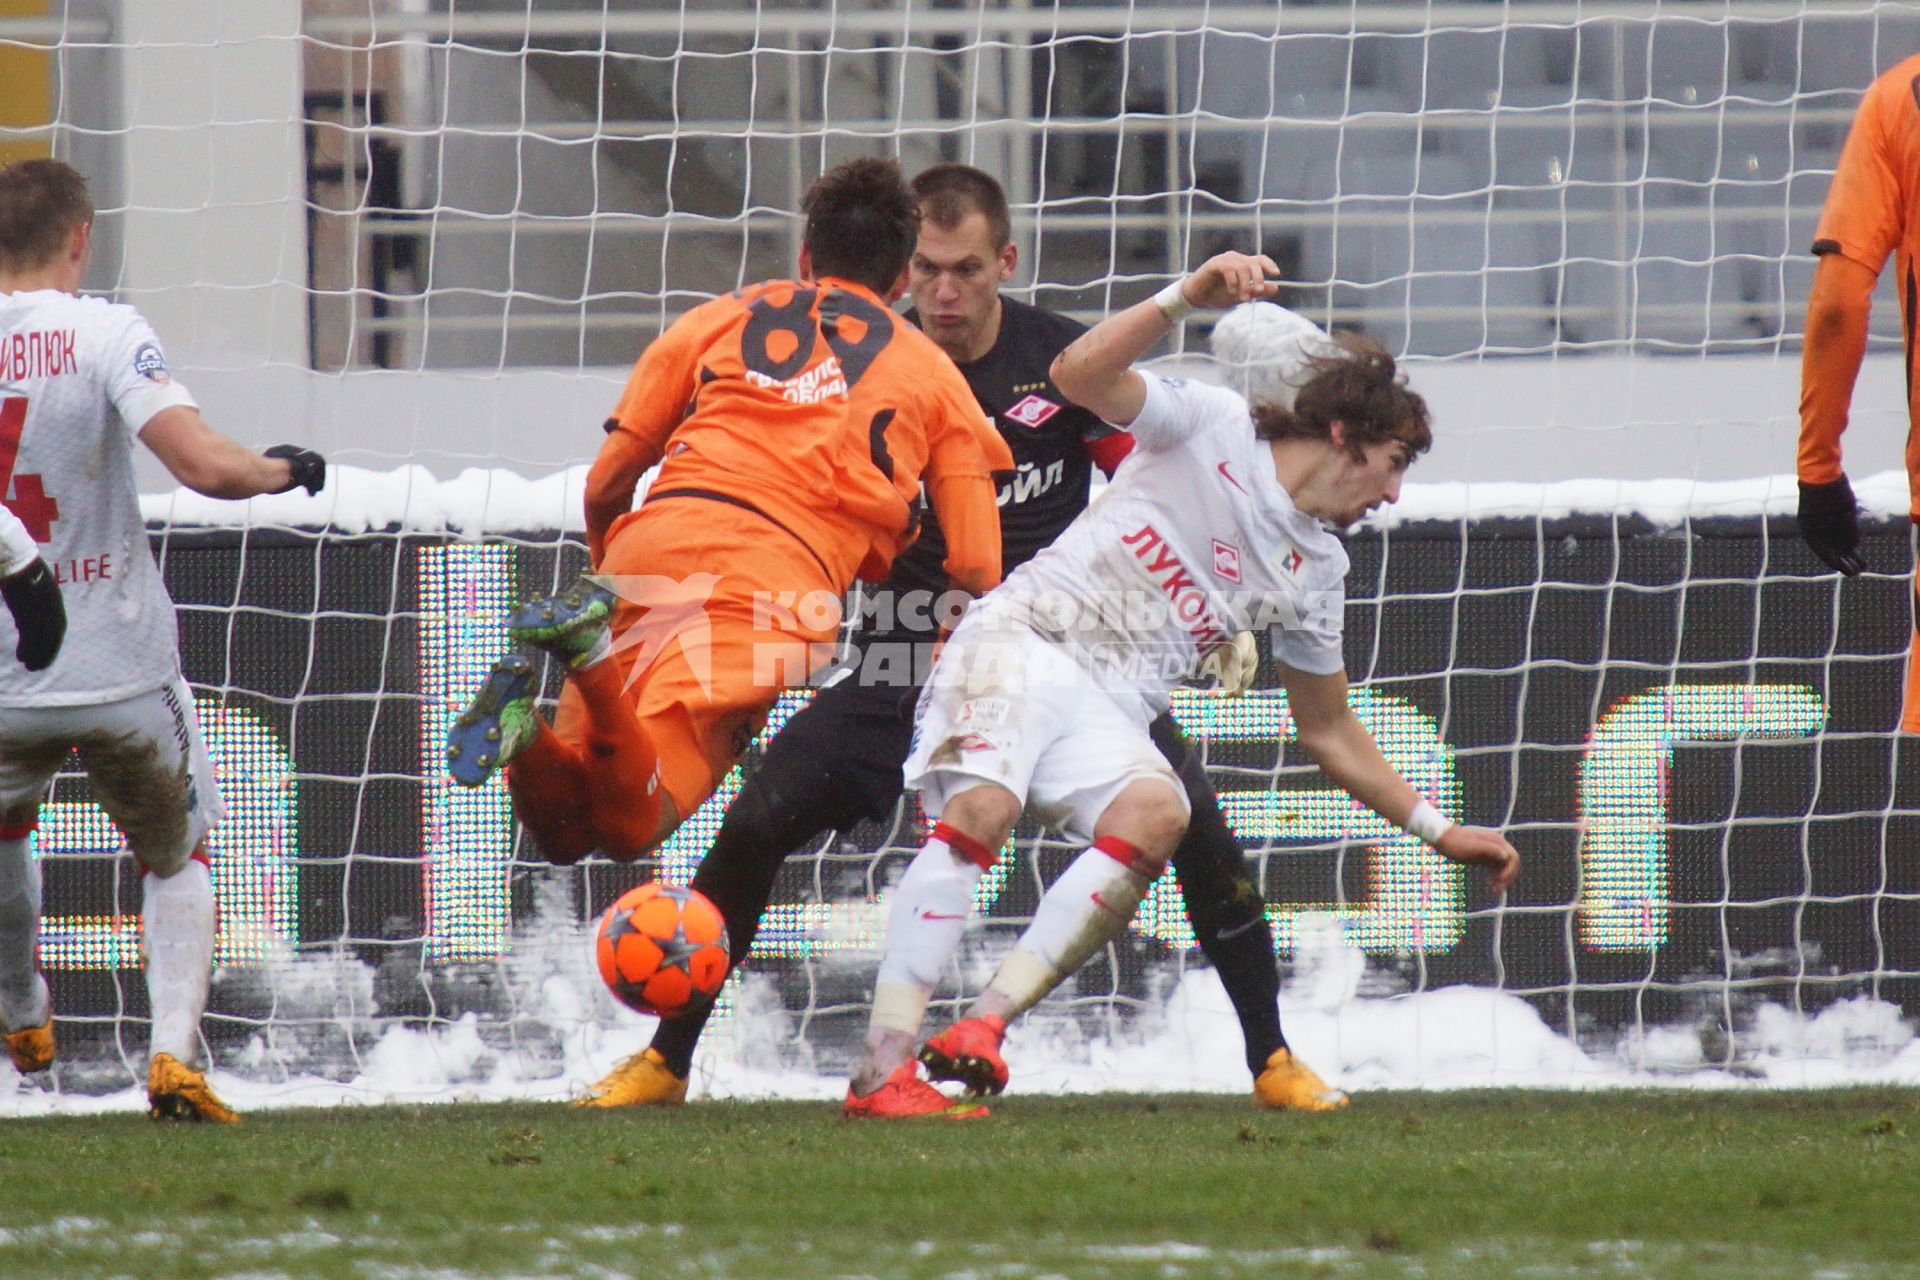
x,y
662,949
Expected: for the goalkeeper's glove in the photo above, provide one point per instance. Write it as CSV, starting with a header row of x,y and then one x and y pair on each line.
x,y
305,468
1830,523
1232,666
33,598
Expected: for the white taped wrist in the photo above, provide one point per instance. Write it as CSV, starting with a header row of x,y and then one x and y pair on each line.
x,y
1427,822
1173,303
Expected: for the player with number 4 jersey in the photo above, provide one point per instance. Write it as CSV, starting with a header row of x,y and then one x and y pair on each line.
x,y
794,423
80,380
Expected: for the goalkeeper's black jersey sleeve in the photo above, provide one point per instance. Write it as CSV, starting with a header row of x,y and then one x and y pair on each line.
x,y
1053,443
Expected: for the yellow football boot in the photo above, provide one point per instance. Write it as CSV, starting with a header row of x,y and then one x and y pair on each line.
x,y
31,1048
1289,1084
643,1080
175,1091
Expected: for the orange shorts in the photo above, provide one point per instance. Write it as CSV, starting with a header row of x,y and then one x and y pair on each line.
x,y
718,611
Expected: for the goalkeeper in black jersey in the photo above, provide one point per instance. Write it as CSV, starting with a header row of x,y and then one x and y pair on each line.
x,y
838,760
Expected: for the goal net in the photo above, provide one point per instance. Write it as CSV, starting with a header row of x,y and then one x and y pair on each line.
x,y
429,236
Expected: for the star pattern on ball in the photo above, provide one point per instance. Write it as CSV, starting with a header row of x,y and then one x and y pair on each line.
x,y
619,927
676,952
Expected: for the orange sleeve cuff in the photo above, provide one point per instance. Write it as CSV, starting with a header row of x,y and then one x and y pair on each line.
x,y
970,519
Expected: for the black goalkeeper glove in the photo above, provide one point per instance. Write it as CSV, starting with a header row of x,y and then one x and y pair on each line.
x,y
1830,523
307,469
33,598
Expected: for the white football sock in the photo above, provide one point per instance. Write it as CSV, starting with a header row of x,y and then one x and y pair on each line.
x,y
177,939
924,926
23,992
1089,906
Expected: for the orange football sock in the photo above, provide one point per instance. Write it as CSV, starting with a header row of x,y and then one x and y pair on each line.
x,y
625,797
548,784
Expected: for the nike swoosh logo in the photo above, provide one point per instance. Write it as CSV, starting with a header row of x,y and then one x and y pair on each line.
x,y
939,915
1118,915
1224,934
1230,480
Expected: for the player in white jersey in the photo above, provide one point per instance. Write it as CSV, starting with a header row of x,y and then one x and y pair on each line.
x,y
80,379
1217,523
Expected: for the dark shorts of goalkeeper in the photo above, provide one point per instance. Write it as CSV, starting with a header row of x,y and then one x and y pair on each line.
x,y
839,757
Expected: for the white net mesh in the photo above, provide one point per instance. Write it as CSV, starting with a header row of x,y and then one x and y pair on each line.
x,y
429,236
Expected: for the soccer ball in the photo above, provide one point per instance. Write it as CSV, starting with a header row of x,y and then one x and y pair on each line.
x,y
662,949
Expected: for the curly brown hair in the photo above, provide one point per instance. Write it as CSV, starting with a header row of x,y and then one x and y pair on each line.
x,y
862,222
41,202
1359,386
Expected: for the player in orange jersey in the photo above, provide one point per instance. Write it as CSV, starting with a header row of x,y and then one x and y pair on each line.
x,y
1872,210
793,423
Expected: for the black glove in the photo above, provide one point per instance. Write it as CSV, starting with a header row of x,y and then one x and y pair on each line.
x,y
33,598
309,469
1830,523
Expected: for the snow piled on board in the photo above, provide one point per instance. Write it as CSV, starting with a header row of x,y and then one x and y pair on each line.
x,y
568,1032
482,501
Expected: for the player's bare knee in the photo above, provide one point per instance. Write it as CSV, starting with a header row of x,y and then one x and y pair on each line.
x,y
985,813
1150,815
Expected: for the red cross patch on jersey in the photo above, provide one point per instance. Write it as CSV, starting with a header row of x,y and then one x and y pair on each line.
x,y
1226,560
1031,411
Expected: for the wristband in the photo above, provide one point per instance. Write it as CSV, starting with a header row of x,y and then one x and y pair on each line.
x,y
1427,823
1173,304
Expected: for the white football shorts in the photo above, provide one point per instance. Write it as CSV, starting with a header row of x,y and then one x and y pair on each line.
x,y
1007,707
144,757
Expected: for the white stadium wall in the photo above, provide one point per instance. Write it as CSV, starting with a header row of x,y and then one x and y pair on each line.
x,y
1514,419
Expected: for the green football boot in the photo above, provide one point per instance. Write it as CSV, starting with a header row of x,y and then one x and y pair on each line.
x,y
499,721
572,626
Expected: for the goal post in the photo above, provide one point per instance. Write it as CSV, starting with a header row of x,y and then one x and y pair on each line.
x,y
429,236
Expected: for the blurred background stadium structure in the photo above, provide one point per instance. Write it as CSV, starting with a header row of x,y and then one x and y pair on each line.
x,y
430,235
1454,178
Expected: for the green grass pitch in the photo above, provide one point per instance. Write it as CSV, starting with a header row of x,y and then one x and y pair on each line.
x,y
1684,1184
